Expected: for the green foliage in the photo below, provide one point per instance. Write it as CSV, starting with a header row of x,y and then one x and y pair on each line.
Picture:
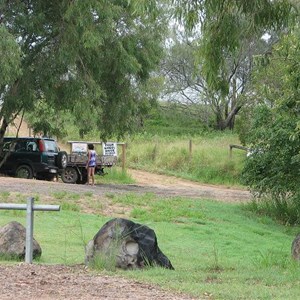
x,y
90,58
223,26
174,120
284,210
47,121
273,168
10,58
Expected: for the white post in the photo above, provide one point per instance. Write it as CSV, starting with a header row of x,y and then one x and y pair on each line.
x,y
29,231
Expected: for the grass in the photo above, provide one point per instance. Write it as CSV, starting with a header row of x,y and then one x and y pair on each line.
x,y
115,175
218,249
208,160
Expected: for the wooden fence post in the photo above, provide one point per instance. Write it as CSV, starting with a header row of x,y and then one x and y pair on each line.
x,y
237,147
123,157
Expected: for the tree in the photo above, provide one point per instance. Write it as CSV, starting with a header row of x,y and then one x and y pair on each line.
x,y
186,82
222,22
86,57
272,170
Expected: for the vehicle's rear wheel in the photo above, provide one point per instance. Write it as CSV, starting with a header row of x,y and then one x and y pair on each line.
x,y
62,159
69,175
24,171
83,180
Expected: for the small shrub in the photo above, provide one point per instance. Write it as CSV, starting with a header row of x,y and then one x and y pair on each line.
x,y
69,206
272,258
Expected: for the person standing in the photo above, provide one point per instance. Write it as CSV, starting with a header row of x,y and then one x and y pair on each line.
x,y
91,164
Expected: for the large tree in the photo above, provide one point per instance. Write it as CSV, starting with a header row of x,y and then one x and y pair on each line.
x,y
87,57
223,23
273,132
186,82
231,34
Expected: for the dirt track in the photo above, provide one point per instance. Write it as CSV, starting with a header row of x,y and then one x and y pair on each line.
x,y
145,182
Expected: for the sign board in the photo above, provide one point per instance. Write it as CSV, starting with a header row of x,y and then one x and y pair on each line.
x,y
109,149
79,147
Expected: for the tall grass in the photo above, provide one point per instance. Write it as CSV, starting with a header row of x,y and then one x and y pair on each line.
x,y
115,175
208,161
284,210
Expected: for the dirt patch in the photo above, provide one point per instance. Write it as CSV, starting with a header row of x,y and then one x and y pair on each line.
x,y
61,282
173,186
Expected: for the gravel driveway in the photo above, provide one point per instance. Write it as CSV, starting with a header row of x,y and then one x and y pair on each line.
x,y
145,182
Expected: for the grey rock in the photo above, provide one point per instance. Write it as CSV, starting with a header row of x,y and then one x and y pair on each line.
x,y
296,247
132,245
13,241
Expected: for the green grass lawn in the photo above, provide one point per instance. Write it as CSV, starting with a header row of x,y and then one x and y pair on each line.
x,y
217,249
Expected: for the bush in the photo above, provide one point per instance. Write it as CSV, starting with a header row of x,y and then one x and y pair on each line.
x,y
272,170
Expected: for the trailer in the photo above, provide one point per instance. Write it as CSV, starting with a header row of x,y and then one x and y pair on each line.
x,y
76,171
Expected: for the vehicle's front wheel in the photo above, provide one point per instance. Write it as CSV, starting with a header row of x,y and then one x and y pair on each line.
x,y
24,171
69,175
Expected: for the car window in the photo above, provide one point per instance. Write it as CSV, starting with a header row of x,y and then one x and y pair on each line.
x,y
32,146
21,146
50,146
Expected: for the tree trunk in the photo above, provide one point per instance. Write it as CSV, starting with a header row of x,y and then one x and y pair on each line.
x,y
229,122
2,133
3,128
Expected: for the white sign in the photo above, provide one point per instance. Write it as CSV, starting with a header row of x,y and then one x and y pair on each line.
x,y
110,149
79,147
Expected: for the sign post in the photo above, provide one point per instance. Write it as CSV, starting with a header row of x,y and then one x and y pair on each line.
x,y
110,149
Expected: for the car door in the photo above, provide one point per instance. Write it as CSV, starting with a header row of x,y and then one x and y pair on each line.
x,y
26,152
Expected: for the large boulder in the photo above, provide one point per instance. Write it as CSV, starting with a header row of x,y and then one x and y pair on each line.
x,y
296,247
13,241
133,245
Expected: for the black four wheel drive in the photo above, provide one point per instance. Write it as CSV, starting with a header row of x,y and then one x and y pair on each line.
x,y
38,158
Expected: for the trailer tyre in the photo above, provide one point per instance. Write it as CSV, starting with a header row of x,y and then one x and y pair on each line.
x,y
69,175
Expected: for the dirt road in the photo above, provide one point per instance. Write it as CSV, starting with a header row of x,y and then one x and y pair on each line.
x,y
172,186
145,182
